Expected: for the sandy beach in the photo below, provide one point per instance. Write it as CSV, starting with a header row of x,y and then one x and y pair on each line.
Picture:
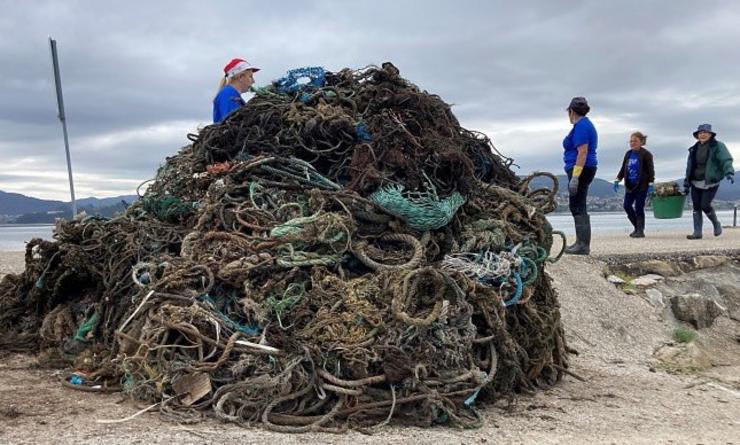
x,y
623,399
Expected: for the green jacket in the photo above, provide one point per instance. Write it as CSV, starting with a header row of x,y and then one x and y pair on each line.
x,y
719,162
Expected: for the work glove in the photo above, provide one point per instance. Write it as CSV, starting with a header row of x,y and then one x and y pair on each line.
x,y
615,185
730,177
573,185
686,186
651,189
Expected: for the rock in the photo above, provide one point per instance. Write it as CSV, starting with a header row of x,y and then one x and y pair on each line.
x,y
707,261
699,311
647,280
660,267
685,356
614,279
655,297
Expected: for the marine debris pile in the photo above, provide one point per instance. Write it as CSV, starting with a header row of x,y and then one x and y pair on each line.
x,y
666,189
336,254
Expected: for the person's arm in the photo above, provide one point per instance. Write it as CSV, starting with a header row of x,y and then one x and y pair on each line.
x,y
620,175
650,171
725,160
581,139
650,167
580,160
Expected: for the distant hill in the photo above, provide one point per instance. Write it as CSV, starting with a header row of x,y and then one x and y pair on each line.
x,y
18,204
105,202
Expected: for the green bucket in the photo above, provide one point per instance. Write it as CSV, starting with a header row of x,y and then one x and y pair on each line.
x,y
668,207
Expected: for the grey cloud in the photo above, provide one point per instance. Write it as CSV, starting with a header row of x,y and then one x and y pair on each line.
x,y
659,66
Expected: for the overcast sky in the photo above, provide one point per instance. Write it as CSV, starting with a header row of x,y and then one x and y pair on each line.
x,y
139,75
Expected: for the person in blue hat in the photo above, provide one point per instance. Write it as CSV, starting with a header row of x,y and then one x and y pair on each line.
x,y
638,173
579,157
708,163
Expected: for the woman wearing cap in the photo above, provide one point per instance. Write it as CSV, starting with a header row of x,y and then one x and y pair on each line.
x,y
579,157
709,161
238,77
638,173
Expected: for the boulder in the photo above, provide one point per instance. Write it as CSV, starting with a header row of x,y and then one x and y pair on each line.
x,y
647,280
684,356
695,309
655,298
707,261
660,267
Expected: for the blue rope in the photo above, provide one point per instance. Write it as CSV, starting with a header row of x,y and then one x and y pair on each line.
x,y
517,292
289,84
249,330
362,132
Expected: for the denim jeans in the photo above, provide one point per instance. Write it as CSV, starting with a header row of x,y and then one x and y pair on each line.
x,y
634,204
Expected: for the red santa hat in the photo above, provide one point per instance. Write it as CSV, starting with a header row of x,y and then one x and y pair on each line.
x,y
237,66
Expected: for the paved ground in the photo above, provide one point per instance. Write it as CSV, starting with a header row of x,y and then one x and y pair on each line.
x,y
662,242
623,400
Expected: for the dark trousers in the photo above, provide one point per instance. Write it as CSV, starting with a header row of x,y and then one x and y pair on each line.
x,y
577,202
702,198
634,204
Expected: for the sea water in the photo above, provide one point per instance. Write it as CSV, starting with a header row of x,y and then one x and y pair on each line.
x,y
15,237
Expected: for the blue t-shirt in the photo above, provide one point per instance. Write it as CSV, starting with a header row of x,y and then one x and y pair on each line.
x,y
226,101
633,167
583,132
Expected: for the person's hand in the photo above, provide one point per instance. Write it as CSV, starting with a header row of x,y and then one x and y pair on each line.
x,y
730,177
686,186
651,189
615,185
573,185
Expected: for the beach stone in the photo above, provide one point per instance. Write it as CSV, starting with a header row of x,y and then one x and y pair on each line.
x,y
686,355
614,279
660,267
708,261
647,280
696,310
655,298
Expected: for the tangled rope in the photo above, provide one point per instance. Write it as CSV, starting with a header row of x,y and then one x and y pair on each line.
x,y
337,254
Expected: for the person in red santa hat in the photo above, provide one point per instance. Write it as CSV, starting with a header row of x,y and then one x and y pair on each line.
x,y
238,77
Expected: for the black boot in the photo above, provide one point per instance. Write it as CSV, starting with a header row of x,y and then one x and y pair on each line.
x,y
697,225
639,227
715,222
582,245
633,220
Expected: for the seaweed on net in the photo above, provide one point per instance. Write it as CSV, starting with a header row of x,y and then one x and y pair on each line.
x,y
335,254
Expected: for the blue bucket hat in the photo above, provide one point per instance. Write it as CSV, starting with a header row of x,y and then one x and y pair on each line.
x,y
704,127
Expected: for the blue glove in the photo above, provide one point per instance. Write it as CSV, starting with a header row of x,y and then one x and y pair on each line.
x,y
573,185
615,185
730,177
651,189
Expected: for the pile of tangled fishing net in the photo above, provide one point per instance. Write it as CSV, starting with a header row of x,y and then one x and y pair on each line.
x,y
337,253
665,189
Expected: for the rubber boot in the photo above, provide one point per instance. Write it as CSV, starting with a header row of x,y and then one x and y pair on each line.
x,y
639,228
633,220
582,245
697,225
715,222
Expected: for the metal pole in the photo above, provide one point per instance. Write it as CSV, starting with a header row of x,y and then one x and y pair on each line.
x,y
63,119
734,218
